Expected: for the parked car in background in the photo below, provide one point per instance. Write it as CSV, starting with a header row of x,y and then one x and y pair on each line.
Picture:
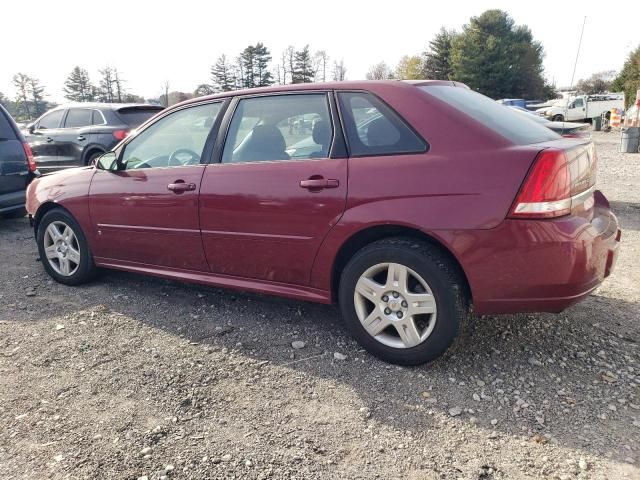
x,y
17,167
74,135
518,102
583,107
452,200
565,129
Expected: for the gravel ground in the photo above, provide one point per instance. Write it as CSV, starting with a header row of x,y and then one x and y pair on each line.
x,y
133,377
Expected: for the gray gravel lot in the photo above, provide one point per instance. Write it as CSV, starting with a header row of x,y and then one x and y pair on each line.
x,y
134,377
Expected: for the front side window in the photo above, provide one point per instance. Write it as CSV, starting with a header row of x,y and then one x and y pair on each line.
x,y
51,120
173,141
281,127
372,128
78,117
578,103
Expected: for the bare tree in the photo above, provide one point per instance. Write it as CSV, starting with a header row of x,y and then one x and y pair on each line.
x,y
289,62
339,71
320,60
119,89
380,71
165,89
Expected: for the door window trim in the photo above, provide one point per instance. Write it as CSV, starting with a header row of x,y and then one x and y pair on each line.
x,y
63,118
338,144
208,144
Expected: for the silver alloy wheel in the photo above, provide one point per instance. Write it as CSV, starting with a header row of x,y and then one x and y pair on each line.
x,y
395,305
61,248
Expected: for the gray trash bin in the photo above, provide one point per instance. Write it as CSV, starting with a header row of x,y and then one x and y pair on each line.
x,y
597,124
629,139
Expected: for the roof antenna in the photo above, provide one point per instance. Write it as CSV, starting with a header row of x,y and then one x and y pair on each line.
x,y
566,108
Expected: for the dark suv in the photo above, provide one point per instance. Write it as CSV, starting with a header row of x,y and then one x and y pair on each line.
x,y
74,135
17,167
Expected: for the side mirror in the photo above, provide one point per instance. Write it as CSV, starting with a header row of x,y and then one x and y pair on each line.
x,y
107,161
31,128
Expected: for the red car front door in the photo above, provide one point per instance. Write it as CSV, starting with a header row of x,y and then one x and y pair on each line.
x,y
265,209
147,211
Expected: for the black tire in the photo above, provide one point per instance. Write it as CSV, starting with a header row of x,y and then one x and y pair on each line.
x,y
86,269
558,118
442,278
92,156
17,213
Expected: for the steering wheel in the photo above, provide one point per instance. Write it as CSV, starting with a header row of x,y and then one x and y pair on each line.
x,y
174,162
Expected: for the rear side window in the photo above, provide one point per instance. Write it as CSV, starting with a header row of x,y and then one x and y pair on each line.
x,y
516,128
98,118
136,116
51,120
372,128
6,132
78,117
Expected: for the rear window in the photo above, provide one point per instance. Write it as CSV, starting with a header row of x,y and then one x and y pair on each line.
x,y
6,131
513,126
135,116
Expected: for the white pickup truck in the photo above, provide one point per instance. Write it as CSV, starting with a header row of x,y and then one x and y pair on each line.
x,y
582,107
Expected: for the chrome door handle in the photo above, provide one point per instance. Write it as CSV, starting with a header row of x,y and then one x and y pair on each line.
x,y
49,139
180,186
318,183
81,138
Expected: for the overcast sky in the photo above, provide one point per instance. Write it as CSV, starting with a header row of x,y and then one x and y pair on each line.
x,y
151,42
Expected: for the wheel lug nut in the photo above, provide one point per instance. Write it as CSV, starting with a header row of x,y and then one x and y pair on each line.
x,y
385,298
399,314
396,294
387,311
404,304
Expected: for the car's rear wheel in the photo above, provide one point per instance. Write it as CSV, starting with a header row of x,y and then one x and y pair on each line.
x,y
63,248
403,300
17,213
92,157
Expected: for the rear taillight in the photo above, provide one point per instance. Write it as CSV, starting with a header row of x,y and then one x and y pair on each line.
x,y
31,163
120,134
558,181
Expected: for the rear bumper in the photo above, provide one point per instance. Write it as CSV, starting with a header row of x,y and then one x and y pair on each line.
x,y
540,266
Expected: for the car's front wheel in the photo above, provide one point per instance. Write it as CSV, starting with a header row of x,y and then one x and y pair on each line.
x,y
403,300
63,248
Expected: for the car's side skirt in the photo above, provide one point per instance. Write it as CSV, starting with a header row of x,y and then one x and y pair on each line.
x,y
247,284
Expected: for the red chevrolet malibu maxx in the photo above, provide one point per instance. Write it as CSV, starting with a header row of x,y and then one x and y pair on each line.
x,y
405,202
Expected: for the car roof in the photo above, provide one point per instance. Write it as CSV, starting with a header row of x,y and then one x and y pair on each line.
x,y
344,85
106,106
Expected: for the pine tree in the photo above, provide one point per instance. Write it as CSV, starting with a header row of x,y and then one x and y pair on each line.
x,y
222,77
106,93
21,82
247,60
261,74
78,87
302,69
36,91
437,58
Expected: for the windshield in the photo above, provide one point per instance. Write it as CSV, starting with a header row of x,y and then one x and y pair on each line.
x,y
513,126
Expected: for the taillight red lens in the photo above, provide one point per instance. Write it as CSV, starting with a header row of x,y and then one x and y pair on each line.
x,y
31,163
120,134
558,181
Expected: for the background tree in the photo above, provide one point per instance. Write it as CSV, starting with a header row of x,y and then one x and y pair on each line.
x,y
203,89
36,91
409,68
628,80
118,86
247,63
437,57
380,71
320,60
497,58
262,57
164,98
222,77
106,91
4,101
339,73
302,71
599,82
78,87
21,83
